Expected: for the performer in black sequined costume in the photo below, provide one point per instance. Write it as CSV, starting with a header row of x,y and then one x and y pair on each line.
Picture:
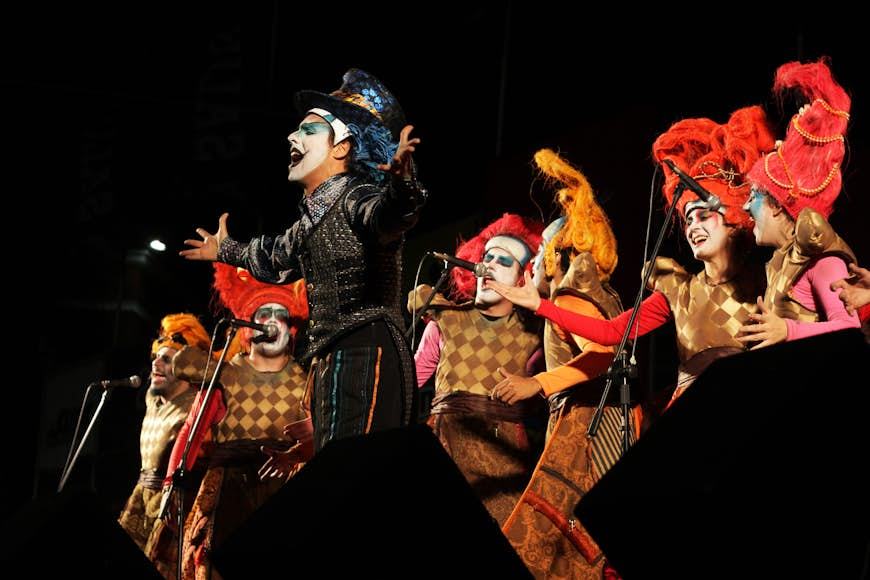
x,y
352,156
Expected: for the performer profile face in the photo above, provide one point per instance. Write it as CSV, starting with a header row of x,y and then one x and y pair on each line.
x,y
163,379
761,212
309,147
539,266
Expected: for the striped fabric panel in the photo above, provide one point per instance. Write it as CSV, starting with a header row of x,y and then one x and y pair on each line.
x,y
607,443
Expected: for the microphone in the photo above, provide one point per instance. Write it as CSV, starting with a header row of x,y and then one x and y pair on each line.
x,y
132,382
270,331
478,269
712,201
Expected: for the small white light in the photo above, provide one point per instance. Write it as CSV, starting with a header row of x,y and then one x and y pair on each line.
x,y
157,246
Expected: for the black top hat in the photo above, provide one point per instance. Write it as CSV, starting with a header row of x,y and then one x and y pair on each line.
x,y
362,100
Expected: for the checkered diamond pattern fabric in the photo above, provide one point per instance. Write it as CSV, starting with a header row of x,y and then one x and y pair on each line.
x,y
260,404
475,347
706,316
160,427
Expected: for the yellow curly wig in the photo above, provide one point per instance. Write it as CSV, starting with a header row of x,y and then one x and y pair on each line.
x,y
587,227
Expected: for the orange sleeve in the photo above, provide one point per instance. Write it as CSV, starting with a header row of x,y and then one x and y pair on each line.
x,y
593,359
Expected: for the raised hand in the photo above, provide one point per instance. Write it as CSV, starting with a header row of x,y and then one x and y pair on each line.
x,y
402,163
525,295
207,249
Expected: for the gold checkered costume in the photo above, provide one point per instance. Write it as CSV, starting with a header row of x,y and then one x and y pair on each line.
x,y
814,239
160,426
487,439
707,317
258,407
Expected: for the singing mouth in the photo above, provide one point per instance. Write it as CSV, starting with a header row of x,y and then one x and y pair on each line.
x,y
295,157
699,239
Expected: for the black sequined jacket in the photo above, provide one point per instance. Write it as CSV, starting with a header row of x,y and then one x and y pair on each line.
x,y
351,259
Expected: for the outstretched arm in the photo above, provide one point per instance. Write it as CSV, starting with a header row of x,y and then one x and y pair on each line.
x,y
654,312
591,360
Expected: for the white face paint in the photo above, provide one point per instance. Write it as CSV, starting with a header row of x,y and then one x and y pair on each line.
x,y
272,313
706,233
501,266
309,148
163,380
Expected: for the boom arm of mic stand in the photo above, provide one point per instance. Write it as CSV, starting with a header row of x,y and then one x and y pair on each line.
x,y
625,369
71,463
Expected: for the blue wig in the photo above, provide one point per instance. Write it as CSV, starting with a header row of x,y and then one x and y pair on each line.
x,y
374,146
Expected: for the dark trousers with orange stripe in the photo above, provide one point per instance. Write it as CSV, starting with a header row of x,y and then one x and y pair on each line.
x,y
361,385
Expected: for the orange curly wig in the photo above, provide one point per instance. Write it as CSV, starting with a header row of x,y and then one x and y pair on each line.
x,y
179,330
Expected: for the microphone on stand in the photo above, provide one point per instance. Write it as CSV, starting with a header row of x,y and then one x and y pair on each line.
x,y
132,382
478,269
712,201
270,331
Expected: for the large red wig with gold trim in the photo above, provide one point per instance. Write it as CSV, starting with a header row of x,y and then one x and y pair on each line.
x,y
241,293
805,170
717,156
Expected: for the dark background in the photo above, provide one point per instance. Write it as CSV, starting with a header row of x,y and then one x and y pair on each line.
x,y
151,119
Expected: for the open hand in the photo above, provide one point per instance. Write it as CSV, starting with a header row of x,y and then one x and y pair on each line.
x,y
285,464
402,163
768,328
207,249
525,295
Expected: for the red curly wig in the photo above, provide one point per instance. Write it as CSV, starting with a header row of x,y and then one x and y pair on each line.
x,y
805,170
717,156
235,289
527,230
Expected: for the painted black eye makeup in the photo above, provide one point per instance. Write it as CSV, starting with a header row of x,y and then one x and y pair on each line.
x,y
505,261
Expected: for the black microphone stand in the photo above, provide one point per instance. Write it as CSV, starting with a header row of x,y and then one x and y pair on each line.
x,y
70,462
621,367
180,473
421,312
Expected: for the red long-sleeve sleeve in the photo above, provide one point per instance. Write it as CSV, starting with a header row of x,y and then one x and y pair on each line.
x,y
654,312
